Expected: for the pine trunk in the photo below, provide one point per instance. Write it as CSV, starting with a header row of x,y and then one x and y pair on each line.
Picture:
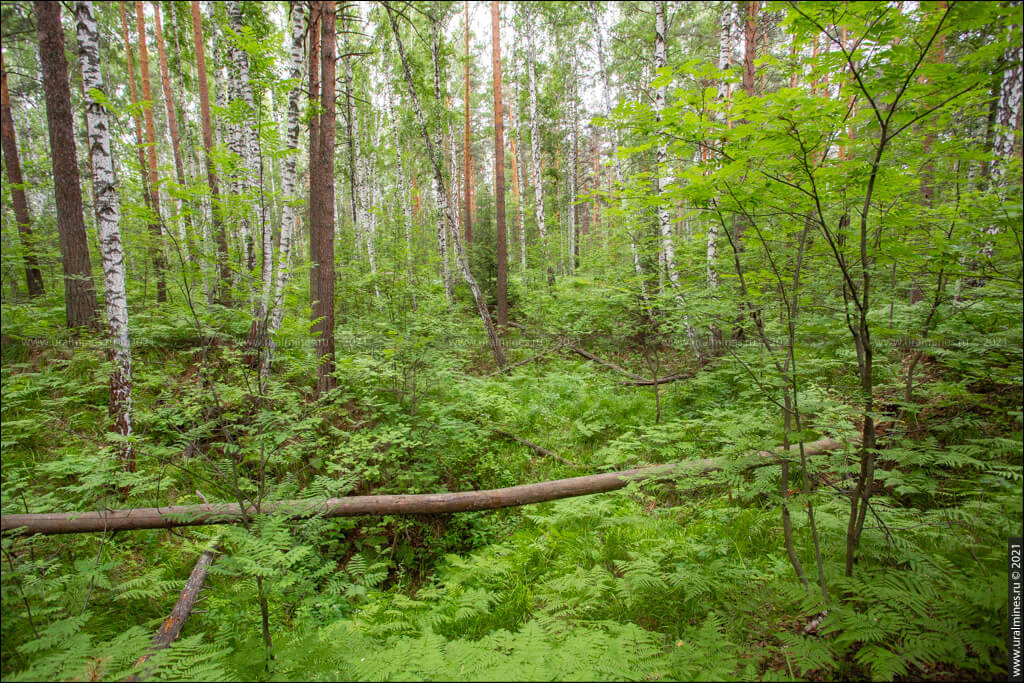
x,y
224,268
172,119
159,263
322,202
33,276
79,294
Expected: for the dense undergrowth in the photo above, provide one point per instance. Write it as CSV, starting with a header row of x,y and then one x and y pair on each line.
x,y
667,580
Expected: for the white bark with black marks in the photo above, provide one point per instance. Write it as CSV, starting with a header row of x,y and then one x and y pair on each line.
x,y
107,222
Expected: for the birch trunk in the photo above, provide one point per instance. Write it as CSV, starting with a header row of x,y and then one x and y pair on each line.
x,y
434,154
1008,109
572,217
606,92
403,193
289,216
664,222
538,183
248,145
442,225
107,214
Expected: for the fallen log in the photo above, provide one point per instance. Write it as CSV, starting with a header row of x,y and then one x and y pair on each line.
x,y
355,506
171,627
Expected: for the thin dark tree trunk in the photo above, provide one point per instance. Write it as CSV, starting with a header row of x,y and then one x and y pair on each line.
x,y
172,121
33,276
79,292
499,169
159,264
224,270
467,154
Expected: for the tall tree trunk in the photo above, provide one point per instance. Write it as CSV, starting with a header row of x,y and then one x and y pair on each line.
x,y
224,268
434,154
499,168
606,92
664,223
517,161
322,204
107,215
403,192
364,217
448,279
467,150
353,154
79,295
248,145
133,89
572,213
750,47
1008,110
538,183
289,215
33,276
172,124
159,263
314,152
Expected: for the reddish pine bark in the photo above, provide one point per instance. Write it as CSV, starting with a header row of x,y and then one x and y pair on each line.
x,y
154,193
224,294
33,276
79,292
322,205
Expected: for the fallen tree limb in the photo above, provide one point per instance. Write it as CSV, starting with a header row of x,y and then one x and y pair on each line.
x,y
643,382
608,364
355,506
171,627
540,449
529,360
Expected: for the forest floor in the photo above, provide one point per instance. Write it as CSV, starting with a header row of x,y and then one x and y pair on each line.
x,y
677,580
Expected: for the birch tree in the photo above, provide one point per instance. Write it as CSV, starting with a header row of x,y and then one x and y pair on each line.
x,y
606,93
436,161
289,215
538,185
107,215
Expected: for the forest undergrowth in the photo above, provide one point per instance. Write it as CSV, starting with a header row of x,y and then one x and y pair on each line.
x,y
665,580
